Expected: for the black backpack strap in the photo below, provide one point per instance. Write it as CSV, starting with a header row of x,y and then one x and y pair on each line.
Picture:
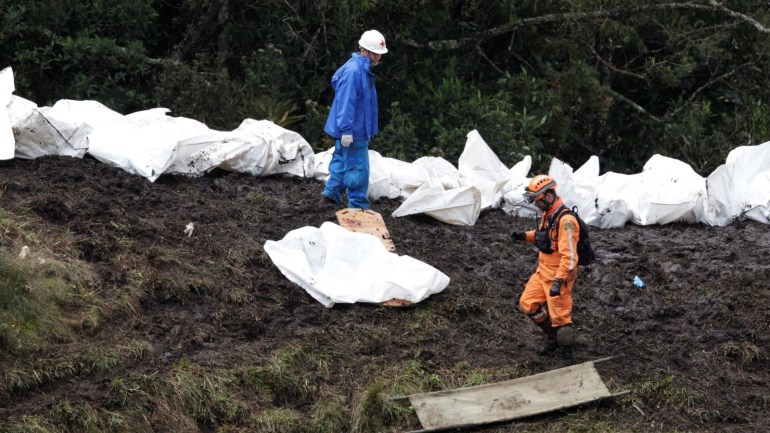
x,y
556,216
559,213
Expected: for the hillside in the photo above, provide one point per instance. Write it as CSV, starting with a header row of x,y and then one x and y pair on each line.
x,y
118,321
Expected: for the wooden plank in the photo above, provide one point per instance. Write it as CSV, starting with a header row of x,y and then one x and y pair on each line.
x,y
366,221
509,400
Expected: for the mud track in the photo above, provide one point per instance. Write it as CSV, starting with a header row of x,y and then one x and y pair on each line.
x,y
703,320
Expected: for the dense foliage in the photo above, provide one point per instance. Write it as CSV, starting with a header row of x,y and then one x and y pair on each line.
x,y
566,79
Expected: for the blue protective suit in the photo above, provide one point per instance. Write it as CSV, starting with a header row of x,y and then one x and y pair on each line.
x,y
354,111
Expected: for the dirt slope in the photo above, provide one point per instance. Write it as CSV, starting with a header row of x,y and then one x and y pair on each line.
x,y
692,345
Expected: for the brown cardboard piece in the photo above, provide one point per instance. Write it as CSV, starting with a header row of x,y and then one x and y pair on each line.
x,y
371,222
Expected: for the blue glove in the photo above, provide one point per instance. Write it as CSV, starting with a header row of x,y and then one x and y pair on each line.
x,y
555,288
346,140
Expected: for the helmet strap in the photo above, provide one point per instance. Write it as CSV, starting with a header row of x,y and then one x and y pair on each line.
x,y
550,203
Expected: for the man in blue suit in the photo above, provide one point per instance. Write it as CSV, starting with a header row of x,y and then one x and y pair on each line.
x,y
352,123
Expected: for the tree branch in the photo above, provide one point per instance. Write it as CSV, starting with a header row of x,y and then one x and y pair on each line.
x,y
484,56
710,83
610,67
739,16
633,105
454,44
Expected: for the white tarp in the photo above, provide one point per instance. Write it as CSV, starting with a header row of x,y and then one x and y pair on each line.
x,y
6,133
447,195
480,164
143,143
256,147
336,265
35,136
76,121
740,187
667,190
150,143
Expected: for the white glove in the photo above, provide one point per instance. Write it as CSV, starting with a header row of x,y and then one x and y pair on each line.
x,y
346,140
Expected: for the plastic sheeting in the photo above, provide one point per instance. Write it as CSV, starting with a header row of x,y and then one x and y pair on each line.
x,y
433,186
446,194
150,143
668,190
336,265
35,135
6,133
739,188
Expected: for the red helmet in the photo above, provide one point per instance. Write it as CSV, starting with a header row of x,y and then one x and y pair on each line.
x,y
538,186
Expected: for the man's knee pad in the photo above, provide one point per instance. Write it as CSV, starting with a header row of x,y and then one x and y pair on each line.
x,y
540,316
565,335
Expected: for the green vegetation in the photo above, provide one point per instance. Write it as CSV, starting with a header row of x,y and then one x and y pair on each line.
x,y
46,295
543,78
621,80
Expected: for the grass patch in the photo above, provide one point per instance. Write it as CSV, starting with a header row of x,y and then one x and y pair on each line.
x,y
291,375
330,415
79,417
743,353
667,393
23,377
373,411
280,420
45,296
413,377
20,320
31,424
188,395
207,396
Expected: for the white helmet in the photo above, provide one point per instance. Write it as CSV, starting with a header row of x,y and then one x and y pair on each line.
x,y
373,41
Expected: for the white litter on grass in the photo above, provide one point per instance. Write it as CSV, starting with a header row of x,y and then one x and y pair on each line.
x,y
24,252
188,230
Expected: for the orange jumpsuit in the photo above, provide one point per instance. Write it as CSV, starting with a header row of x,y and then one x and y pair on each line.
x,y
561,264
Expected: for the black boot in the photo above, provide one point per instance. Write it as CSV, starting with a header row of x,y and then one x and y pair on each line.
x,y
551,342
566,340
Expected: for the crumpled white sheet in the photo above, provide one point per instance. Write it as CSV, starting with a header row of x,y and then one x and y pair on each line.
x,y
668,190
335,265
256,147
739,188
433,186
150,143
6,132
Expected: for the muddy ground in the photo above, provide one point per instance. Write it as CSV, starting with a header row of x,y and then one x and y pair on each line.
x,y
692,346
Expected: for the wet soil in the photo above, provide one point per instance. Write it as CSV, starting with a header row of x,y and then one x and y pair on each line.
x,y
701,323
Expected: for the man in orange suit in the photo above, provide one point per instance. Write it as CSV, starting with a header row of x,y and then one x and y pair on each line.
x,y
547,296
